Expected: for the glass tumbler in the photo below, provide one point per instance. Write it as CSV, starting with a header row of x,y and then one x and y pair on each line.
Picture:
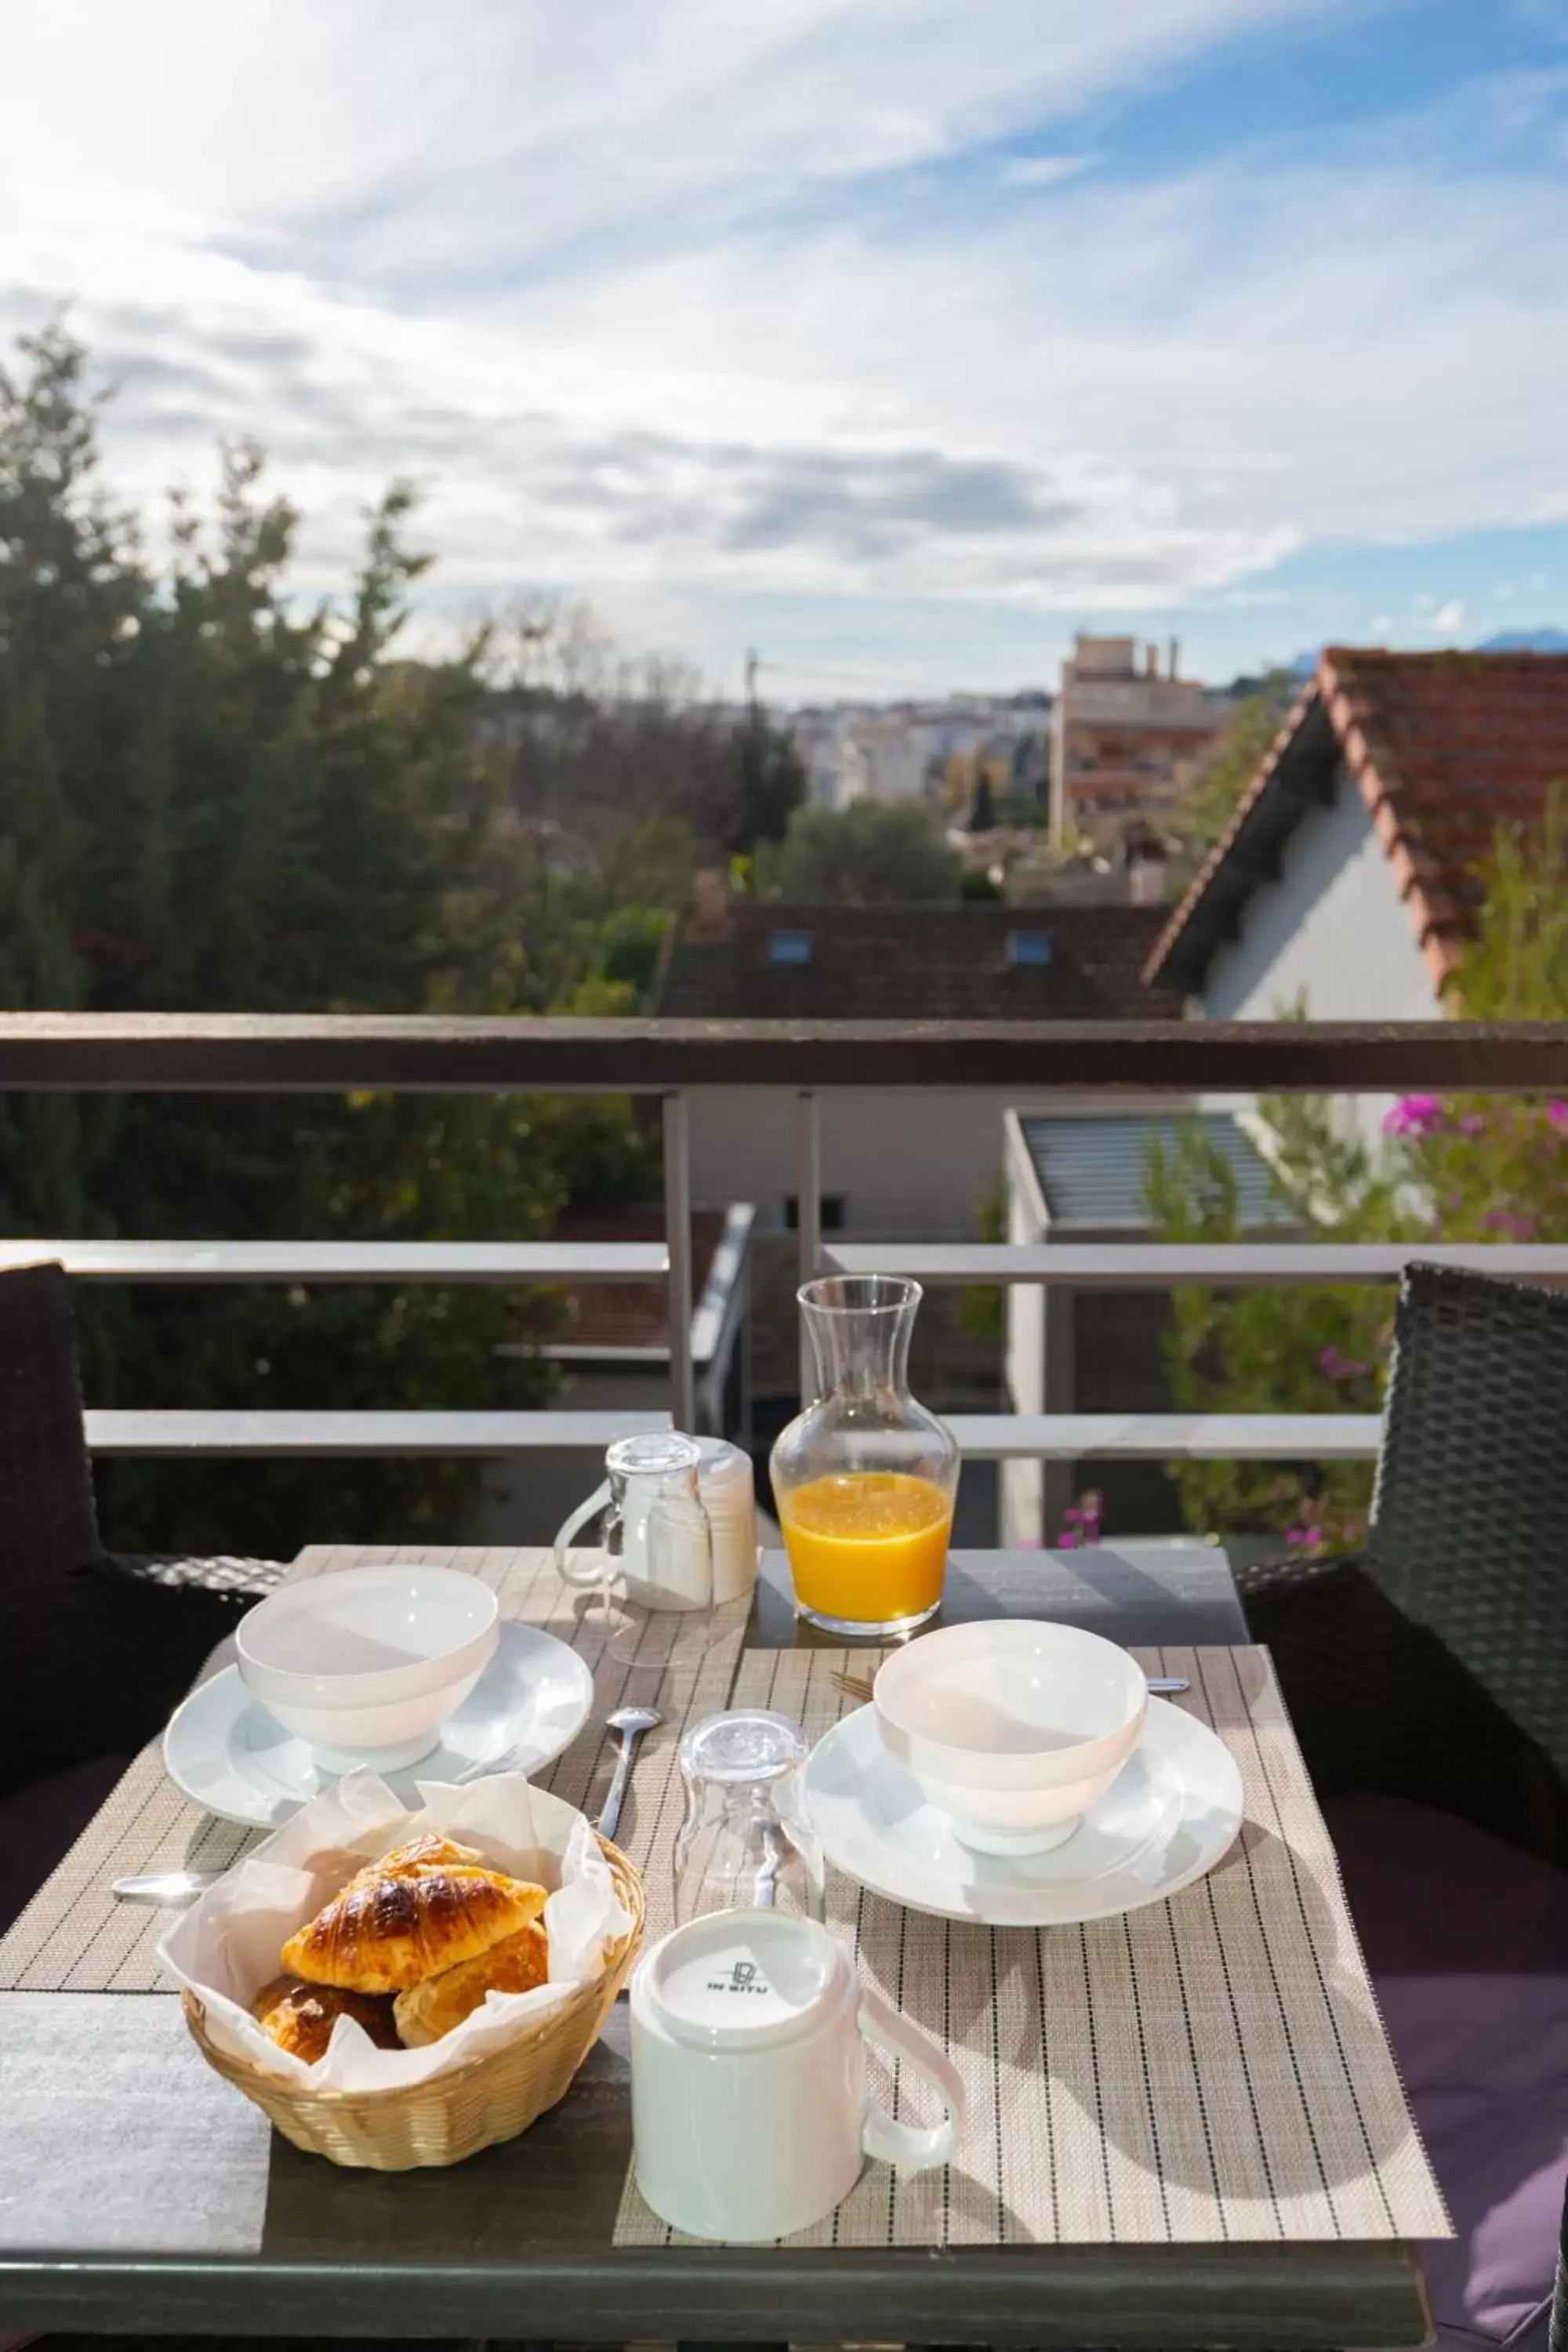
x,y
746,1842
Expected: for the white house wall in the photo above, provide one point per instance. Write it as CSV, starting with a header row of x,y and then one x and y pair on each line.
x,y
909,1166
1333,928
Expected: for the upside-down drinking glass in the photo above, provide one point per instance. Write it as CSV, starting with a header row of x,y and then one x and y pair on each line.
x,y
746,1842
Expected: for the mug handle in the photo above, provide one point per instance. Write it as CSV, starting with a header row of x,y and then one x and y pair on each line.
x,y
908,2143
584,1574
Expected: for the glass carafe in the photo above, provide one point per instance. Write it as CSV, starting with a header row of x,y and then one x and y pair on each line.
x,y
864,1479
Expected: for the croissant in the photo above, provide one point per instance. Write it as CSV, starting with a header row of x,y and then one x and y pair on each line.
x,y
300,2016
430,1851
383,1934
427,2011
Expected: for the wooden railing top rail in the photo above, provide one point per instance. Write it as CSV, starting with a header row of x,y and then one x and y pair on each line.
x,y
322,1053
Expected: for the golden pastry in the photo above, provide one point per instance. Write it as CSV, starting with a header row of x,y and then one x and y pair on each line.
x,y
300,2016
430,1851
427,2011
385,1933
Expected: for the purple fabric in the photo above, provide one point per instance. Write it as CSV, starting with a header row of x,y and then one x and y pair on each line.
x,y
1466,1940
39,1823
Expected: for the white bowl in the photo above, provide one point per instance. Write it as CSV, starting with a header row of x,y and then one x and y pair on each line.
x,y
366,1666
1013,1728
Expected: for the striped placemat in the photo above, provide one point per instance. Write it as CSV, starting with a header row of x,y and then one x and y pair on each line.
x,y
75,1937
1212,2067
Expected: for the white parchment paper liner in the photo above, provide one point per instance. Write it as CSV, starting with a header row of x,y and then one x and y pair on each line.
x,y
226,1947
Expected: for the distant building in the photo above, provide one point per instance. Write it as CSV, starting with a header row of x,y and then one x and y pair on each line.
x,y
1348,875
898,750
1121,735
884,759
1129,870
896,1165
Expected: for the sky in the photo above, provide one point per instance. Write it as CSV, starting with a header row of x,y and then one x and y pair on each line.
x,y
896,339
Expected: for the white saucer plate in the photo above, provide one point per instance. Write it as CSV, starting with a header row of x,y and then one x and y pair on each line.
x,y
1169,1816
223,1750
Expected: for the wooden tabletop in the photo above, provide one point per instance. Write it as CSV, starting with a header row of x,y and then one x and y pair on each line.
x,y
138,2192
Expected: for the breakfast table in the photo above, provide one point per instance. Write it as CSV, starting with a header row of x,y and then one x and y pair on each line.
x,y
1227,2158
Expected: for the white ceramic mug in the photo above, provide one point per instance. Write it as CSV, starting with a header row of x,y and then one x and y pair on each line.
x,y
750,2111
657,1543
659,1566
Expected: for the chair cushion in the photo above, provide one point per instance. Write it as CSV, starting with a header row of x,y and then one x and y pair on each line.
x,y
1466,1940
41,1821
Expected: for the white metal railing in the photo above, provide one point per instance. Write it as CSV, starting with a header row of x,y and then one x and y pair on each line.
x,y
992,1437
80,1053
1077,1267
1163,1266
440,1263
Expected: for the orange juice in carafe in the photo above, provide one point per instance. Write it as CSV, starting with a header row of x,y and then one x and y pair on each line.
x,y
866,1546
864,1477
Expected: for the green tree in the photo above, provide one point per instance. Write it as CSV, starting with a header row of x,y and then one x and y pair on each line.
x,y
70,590
212,798
1279,1351
983,815
873,852
1471,1167
772,787
1228,767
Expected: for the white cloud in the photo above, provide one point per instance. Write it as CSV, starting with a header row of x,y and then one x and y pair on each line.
x,y
1043,170
631,290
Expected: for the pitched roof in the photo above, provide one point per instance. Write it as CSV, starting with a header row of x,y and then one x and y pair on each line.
x,y
1093,1170
1443,747
948,962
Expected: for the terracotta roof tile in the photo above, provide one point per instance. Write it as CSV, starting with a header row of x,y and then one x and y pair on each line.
x,y
1444,746
941,962
610,1316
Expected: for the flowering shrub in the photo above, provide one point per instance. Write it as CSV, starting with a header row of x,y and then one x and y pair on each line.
x,y
1082,1521
1473,1168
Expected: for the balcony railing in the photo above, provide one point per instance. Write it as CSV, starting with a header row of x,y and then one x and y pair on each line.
x,y
815,1062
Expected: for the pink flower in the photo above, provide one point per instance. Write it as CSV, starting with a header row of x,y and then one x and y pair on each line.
x,y
1509,1221
1081,1522
1414,1115
1557,1112
1340,1368
1472,1123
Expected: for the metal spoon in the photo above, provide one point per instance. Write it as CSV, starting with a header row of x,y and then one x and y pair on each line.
x,y
167,1890
175,1890
631,1722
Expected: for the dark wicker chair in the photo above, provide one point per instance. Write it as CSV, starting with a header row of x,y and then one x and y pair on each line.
x,y
95,1648
1433,1668
1435,1664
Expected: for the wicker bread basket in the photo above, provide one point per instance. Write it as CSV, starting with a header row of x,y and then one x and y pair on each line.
x,y
453,2115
